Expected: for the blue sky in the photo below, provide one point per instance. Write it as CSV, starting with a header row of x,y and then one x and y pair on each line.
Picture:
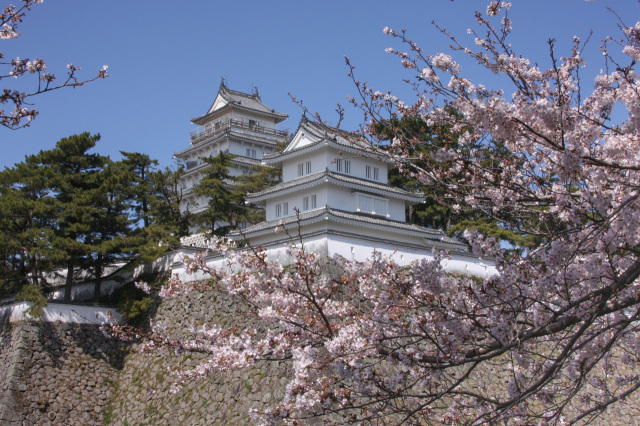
x,y
166,58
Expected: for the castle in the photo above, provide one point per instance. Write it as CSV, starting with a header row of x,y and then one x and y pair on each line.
x,y
334,195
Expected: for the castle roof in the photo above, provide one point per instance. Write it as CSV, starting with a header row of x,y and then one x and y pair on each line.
x,y
237,161
338,179
326,214
227,99
321,135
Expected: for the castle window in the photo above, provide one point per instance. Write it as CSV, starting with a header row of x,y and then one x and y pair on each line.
x,y
372,205
347,166
282,209
251,153
306,205
339,164
304,168
375,174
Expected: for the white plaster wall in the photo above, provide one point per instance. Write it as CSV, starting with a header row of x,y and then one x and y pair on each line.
x,y
341,198
270,207
85,291
260,120
61,313
361,251
358,166
334,196
357,250
397,210
301,139
318,160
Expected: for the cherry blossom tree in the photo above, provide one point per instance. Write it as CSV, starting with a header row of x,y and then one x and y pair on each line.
x,y
21,109
552,338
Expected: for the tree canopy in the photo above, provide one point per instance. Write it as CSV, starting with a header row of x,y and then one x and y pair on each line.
x,y
69,209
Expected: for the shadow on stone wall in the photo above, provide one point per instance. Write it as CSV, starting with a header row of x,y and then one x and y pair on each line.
x,y
60,373
143,394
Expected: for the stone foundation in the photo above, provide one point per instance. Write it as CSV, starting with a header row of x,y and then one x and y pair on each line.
x,y
56,373
143,395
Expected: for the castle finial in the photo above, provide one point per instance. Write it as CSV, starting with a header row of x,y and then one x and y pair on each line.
x,y
223,82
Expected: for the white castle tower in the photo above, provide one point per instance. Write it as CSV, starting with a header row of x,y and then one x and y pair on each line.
x,y
335,198
236,123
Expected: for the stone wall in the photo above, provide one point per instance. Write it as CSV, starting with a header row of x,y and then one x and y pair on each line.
x,y
70,374
143,393
56,373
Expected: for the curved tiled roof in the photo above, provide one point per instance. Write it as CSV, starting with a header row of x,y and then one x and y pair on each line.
x,y
231,134
245,101
336,179
339,139
438,237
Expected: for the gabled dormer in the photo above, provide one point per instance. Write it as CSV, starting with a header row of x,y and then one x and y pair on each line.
x,y
316,148
323,167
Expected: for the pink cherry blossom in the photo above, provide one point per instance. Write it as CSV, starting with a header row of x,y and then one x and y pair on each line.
x,y
549,339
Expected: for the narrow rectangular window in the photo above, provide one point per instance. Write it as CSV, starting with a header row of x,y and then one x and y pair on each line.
x,y
308,167
373,205
365,204
313,201
347,166
339,164
376,173
305,203
380,206
285,209
368,172
300,169
278,210
248,152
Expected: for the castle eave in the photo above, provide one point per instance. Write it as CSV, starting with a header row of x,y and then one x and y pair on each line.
x,y
431,237
337,179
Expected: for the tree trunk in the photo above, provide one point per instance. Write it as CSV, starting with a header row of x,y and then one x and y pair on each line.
x,y
98,279
69,283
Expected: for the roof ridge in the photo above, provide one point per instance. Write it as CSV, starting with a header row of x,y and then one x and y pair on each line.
x,y
243,94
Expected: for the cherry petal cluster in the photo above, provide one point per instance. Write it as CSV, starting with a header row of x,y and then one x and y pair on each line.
x,y
22,114
552,338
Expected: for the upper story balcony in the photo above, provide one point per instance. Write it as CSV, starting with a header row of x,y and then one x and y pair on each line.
x,y
198,135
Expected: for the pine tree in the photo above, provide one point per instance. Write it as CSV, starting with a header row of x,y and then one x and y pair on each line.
x,y
155,196
75,179
140,188
111,237
225,206
27,218
437,211
259,178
